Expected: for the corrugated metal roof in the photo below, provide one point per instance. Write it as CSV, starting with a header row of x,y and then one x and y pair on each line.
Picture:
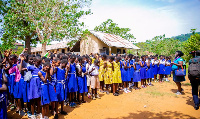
x,y
51,47
114,40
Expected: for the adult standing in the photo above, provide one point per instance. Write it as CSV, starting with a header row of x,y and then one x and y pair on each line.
x,y
178,63
194,77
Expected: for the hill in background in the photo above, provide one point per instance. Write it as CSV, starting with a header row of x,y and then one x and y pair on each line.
x,y
183,37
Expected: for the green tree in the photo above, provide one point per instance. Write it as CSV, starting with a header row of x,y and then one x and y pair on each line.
x,y
192,44
16,26
51,19
110,27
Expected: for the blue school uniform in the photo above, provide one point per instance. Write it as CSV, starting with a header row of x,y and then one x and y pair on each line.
x,y
72,79
126,73
122,70
162,67
131,69
150,71
168,68
82,82
12,81
52,88
34,89
26,84
136,76
155,69
18,88
3,106
143,72
44,91
60,84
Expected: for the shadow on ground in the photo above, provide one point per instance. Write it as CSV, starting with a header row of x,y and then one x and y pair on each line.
x,y
160,115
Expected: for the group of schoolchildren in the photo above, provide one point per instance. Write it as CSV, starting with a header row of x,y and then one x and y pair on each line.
x,y
67,78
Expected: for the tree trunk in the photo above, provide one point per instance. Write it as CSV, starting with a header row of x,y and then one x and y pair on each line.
x,y
44,50
28,44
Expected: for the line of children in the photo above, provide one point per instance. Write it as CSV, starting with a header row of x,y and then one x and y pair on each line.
x,y
67,78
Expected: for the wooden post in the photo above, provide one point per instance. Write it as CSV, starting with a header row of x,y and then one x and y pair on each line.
x,y
109,51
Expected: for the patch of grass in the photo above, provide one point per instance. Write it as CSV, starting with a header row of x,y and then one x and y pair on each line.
x,y
187,84
159,94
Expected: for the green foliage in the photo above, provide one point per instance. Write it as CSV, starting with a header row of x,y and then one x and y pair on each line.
x,y
16,26
110,27
48,19
19,50
160,45
185,37
192,44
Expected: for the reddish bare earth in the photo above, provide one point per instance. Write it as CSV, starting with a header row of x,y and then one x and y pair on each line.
x,y
158,101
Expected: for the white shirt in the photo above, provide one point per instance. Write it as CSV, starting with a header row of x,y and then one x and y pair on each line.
x,y
94,72
162,61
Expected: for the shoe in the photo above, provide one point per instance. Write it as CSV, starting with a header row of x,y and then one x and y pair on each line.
x,y
22,113
39,115
33,117
45,117
93,97
115,94
125,91
17,111
12,107
128,91
196,107
178,93
107,92
71,104
89,96
29,114
182,90
63,113
97,96
56,116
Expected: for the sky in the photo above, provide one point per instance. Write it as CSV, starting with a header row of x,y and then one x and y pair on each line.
x,y
147,18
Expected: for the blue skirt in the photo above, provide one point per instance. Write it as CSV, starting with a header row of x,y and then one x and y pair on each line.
x,y
11,83
72,83
168,70
150,73
143,73
155,69
131,72
136,76
161,69
3,108
26,86
126,75
52,93
60,91
82,84
45,94
18,89
34,91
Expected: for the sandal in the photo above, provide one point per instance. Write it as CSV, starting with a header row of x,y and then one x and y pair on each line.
x,y
115,94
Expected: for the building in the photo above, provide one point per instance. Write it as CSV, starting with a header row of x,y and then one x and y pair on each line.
x,y
18,46
103,43
61,47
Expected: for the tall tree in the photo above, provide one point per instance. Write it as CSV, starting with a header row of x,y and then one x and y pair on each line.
x,y
110,27
16,26
52,19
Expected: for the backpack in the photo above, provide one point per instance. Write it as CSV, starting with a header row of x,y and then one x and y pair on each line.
x,y
194,68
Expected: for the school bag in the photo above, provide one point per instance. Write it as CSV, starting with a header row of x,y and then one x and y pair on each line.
x,y
194,68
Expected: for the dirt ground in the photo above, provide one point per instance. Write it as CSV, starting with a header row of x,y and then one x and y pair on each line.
x,y
158,101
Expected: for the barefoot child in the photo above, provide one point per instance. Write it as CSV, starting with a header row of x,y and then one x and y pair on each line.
x,y
44,75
